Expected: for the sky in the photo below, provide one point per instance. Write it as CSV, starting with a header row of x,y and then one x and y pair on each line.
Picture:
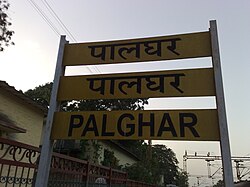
x,y
31,61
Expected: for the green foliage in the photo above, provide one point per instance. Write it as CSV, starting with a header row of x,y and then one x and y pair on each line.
x,y
110,160
90,150
96,150
83,146
182,179
163,163
166,163
5,33
107,104
41,94
137,147
141,172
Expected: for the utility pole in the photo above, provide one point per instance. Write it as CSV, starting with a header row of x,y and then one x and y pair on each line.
x,y
238,174
209,158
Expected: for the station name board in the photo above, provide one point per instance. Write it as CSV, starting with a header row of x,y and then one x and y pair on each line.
x,y
167,125
177,83
181,46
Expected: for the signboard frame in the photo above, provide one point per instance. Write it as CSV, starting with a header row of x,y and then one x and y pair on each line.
x,y
47,145
220,101
54,106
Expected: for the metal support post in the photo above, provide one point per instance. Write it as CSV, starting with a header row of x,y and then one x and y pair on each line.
x,y
47,144
224,137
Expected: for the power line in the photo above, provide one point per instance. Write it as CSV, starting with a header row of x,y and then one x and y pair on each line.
x,y
63,26
45,18
53,27
53,13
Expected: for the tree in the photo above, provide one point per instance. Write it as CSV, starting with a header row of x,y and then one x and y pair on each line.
x,y
5,33
182,179
41,94
140,172
143,169
110,160
166,163
163,163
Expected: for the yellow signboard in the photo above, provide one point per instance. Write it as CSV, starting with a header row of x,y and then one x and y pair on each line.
x,y
138,50
197,125
176,83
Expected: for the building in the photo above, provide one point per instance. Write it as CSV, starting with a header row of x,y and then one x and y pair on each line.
x,y
125,157
95,151
21,119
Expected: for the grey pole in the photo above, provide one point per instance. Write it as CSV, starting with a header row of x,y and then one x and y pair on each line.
x,y
47,144
224,137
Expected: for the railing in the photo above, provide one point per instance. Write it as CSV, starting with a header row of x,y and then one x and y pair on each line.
x,y
17,163
18,167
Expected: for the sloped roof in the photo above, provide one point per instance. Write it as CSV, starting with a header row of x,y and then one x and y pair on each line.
x,y
8,125
19,94
119,146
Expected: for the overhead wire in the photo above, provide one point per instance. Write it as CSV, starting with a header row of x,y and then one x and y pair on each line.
x,y
63,26
45,18
53,13
59,21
